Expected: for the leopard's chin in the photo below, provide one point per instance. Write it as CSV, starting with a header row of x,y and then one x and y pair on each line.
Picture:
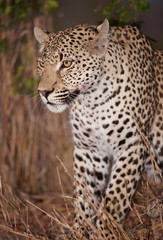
x,y
56,108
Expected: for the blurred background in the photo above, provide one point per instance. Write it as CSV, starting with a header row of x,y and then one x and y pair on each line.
x,y
31,137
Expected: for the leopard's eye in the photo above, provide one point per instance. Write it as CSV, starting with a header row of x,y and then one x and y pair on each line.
x,y
41,64
66,63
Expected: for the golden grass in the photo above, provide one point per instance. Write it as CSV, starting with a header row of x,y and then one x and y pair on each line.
x,y
46,217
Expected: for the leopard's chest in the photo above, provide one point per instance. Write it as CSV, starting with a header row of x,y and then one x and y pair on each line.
x,y
85,127
102,124
93,124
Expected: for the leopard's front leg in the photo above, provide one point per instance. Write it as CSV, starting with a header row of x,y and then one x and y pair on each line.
x,y
121,187
89,182
102,181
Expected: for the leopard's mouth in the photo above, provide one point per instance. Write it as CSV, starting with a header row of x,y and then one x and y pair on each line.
x,y
62,102
52,104
64,98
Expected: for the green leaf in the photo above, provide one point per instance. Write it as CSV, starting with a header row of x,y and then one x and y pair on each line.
x,y
20,70
121,13
8,10
52,4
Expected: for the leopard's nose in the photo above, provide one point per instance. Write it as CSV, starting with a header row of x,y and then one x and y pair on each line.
x,y
45,93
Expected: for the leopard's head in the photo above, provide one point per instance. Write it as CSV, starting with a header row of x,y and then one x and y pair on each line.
x,y
69,62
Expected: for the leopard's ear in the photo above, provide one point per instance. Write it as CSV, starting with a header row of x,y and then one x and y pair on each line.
x,y
100,43
41,37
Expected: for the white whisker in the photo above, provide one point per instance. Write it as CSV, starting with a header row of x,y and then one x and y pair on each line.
x,y
30,99
39,101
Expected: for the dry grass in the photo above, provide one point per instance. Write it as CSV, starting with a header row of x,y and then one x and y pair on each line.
x,y
30,138
49,216
21,217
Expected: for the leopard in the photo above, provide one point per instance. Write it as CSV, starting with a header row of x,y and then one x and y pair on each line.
x,y
111,81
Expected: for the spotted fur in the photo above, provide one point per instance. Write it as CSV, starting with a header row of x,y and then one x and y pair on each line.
x,y
111,80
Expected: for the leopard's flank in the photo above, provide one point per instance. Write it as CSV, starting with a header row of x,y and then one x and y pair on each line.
x,y
111,81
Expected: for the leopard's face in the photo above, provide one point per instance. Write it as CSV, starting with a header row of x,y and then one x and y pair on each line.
x,y
64,75
67,66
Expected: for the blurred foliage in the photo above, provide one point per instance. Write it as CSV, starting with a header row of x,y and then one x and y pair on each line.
x,y
23,84
14,12
15,15
120,13
27,86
